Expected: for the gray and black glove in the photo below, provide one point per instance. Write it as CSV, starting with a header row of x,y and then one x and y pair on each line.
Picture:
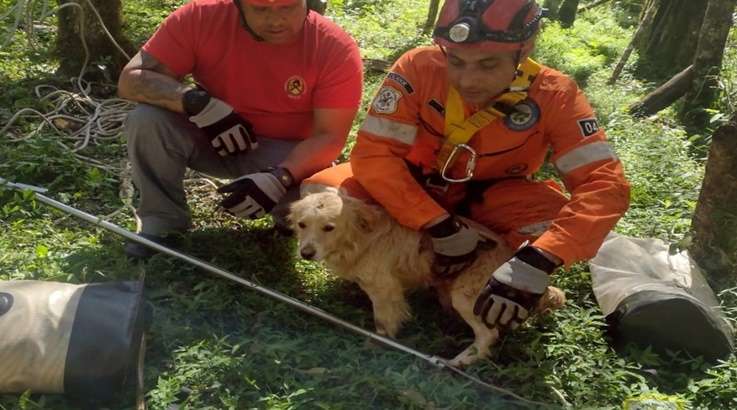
x,y
514,288
255,195
454,244
228,132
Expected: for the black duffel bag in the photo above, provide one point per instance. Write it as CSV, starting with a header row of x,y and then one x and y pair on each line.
x,y
653,297
79,340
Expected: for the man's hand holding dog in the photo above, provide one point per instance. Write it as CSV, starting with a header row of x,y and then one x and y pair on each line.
x,y
515,288
228,132
254,195
454,244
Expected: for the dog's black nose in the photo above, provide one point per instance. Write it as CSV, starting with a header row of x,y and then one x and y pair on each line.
x,y
307,253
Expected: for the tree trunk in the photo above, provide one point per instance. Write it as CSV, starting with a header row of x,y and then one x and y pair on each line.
x,y
665,95
714,223
567,12
649,14
708,61
101,50
668,43
552,6
432,15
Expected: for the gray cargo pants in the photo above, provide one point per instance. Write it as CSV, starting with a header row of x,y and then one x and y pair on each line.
x,y
163,144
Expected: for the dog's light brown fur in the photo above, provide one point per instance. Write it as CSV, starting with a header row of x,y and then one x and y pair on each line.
x,y
362,243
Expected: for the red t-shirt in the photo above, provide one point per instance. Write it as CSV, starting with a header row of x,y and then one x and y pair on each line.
x,y
275,87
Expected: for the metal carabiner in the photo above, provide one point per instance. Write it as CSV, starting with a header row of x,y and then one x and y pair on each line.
x,y
470,164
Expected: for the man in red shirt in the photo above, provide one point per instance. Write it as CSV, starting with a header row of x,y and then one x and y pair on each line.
x,y
278,89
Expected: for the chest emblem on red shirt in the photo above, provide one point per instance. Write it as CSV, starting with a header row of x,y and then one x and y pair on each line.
x,y
387,100
295,86
526,114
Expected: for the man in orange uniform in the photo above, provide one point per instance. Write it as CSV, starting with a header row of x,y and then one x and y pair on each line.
x,y
461,128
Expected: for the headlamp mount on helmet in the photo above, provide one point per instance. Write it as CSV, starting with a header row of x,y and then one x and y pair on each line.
x,y
469,27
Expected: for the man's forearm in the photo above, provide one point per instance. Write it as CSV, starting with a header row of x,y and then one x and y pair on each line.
x,y
153,88
312,155
144,79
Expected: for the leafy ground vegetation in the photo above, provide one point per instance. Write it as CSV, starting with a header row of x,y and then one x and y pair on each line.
x,y
215,345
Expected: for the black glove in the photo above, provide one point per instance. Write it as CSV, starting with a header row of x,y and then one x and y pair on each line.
x,y
229,133
254,195
454,244
514,288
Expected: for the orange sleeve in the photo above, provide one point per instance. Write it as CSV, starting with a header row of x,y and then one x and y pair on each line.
x,y
383,142
592,173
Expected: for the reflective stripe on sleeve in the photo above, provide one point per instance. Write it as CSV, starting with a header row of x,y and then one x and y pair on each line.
x,y
585,155
393,130
535,229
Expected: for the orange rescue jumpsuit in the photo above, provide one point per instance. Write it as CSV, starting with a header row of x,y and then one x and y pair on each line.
x,y
395,155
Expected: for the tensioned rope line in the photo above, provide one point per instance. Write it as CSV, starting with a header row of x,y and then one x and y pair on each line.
x,y
305,307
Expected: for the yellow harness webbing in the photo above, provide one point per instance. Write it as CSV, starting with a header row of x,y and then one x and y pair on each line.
x,y
459,129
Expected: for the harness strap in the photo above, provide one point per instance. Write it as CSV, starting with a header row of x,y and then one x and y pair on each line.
x,y
459,129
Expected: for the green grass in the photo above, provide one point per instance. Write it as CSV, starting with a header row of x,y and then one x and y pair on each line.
x,y
215,345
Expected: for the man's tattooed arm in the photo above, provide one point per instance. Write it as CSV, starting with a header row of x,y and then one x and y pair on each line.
x,y
146,80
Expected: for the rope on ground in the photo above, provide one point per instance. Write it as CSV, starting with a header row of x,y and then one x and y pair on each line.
x,y
79,119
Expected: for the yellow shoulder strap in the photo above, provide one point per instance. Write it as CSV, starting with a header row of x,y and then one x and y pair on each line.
x,y
459,130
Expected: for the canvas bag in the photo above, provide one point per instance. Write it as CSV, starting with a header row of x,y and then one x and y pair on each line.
x,y
652,297
80,340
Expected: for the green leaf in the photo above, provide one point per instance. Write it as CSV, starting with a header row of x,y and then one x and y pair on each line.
x,y
42,251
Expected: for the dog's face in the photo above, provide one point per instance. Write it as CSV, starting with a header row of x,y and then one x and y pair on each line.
x,y
314,219
327,223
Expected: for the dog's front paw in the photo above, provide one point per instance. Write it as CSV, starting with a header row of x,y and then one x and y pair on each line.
x,y
466,358
553,299
385,330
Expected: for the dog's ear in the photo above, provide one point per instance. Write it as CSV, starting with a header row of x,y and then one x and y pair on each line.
x,y
368,218
291,219
342,192
296,210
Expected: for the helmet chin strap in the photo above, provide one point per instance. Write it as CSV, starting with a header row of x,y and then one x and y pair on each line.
x,y
517,61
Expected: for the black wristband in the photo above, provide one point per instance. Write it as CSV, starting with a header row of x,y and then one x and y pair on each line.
x,y
195,100
533,257
446,227
283,175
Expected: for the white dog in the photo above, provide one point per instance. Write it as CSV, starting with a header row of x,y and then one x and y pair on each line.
x,y
362,243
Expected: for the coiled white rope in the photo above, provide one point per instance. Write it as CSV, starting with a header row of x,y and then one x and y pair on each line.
x,y
78,118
